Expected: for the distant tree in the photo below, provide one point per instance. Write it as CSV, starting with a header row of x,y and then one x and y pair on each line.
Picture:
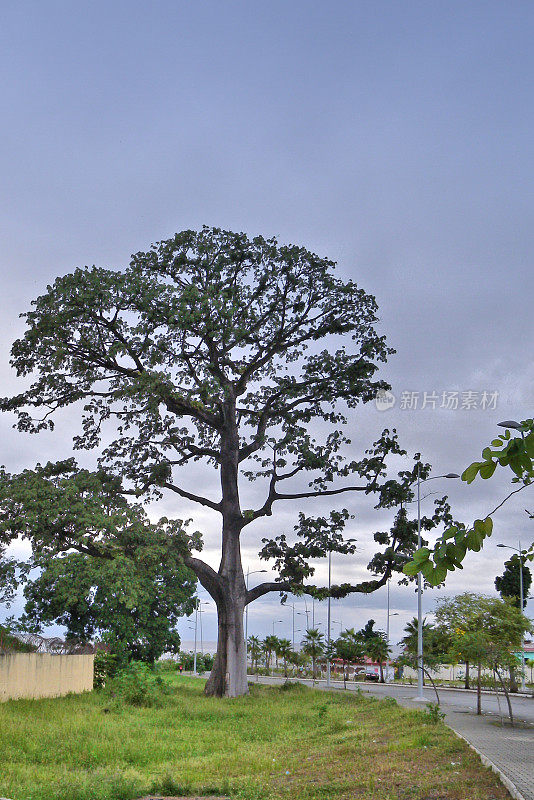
x,y
367,632
283,651
313,645
459,613
255,650
270,645
11,643
378,650
350,648
508,584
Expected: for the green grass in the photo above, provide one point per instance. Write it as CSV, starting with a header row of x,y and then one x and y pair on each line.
x,y
296,744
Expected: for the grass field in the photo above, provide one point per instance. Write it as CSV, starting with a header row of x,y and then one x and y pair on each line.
x,y
296,744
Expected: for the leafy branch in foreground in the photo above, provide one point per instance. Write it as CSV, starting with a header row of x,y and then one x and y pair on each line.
x,y
516,453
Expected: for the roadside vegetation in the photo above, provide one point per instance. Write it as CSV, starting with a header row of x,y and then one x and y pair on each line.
x,y
158,732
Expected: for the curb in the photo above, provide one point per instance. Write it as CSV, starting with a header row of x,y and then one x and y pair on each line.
x,y
507,783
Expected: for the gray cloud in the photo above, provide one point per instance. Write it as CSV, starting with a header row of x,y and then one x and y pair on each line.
x,y
394,140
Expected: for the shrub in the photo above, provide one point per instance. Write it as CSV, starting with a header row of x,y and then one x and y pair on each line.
x,y
168,665
138,685
432,714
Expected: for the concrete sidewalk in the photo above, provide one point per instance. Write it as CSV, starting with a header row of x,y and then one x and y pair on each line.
x,y
508,751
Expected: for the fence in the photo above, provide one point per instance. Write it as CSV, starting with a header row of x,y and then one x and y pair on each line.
x,y
44,675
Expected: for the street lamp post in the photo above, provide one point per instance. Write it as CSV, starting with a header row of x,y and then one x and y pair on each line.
x,y
347,541
394,614
195,652
521,601
275,622
420,696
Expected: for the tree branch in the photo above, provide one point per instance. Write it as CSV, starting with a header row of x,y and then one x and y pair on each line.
x,y
206,575
322,493
196,498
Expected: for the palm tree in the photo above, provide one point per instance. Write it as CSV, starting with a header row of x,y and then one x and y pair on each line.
x,y
270,643
255,649
313,645
284,651
378,650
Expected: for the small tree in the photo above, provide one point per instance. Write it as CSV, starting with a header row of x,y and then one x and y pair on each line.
x,y
486,636
126,582
313,645
350,648
270,645
436,644
378,650
130,602
283,651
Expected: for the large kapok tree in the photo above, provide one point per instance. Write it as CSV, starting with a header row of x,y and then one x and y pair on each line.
x,y
240,354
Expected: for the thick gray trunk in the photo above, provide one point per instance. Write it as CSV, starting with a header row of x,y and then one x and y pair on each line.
x,y
229,674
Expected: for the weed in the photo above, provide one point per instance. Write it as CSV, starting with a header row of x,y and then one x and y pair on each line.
x,y
432,714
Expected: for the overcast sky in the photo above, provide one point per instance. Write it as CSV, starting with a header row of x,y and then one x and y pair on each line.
x,y
395,138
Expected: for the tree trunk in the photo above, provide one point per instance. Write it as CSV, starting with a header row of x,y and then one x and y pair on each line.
x,y
479,689
513,680
229,674
510,710
466,682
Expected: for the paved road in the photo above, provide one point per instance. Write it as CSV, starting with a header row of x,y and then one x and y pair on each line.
x,y
510,750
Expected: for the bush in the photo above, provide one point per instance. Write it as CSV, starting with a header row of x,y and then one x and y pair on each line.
x,y
105,667
167,665
432,714
138,685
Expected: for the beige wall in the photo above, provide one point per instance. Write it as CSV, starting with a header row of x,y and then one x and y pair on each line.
x,y
44,675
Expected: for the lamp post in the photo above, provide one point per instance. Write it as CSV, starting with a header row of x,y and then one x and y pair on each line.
x,y
394,614
521,601
420,696
195,653
347,541
304,614
275,622
254,572
200,604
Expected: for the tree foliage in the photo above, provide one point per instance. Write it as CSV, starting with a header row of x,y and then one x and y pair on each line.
x,y
513,452
132,602
237,354
106,570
